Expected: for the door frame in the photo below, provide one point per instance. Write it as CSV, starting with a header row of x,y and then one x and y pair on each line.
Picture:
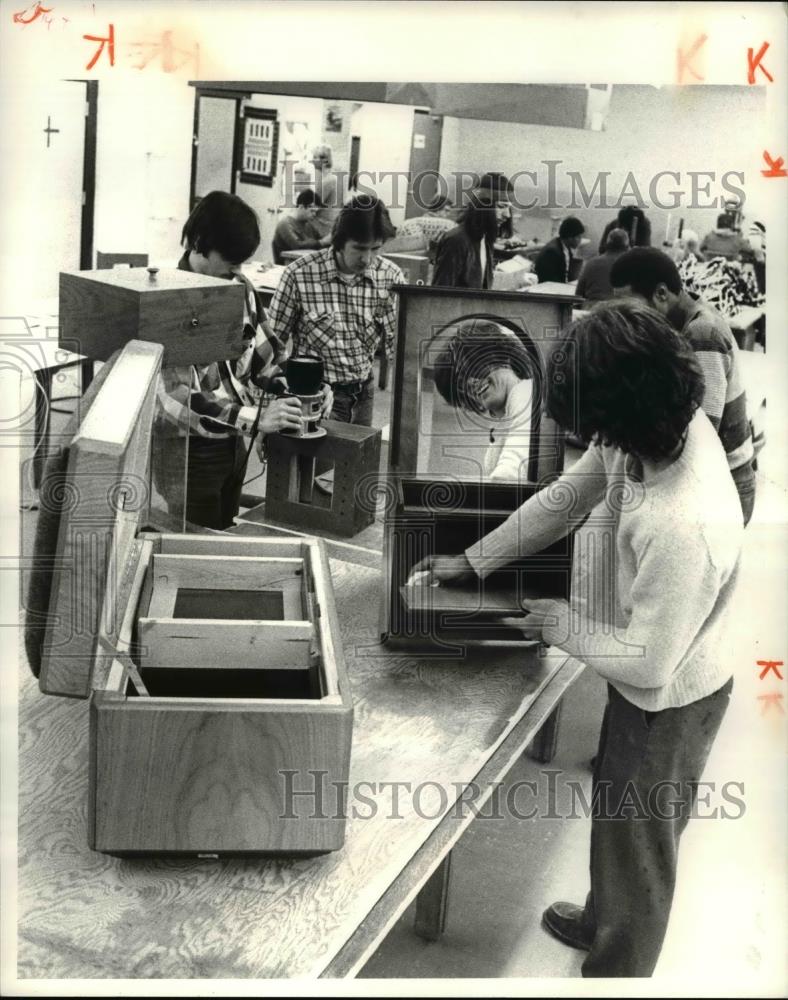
x,y
88,213
233,95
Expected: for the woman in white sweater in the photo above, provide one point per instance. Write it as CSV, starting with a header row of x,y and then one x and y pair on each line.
x,y
656,470
485,369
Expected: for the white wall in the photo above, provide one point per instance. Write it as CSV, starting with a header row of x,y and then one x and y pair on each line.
x,y
143,165
386,132
145,144
702,128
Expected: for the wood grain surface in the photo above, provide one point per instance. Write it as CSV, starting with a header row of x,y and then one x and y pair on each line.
x,y
198,319
194,642
84,914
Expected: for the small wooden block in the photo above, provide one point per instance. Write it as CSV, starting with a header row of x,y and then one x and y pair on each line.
x,y
354,452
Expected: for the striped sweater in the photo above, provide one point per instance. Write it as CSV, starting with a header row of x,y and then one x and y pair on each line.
x,y
220,400
724,401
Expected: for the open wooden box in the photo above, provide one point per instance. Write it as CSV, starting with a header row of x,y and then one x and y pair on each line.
x,y
213,665
440,501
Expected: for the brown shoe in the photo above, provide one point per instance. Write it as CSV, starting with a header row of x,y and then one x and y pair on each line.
x,y
565,922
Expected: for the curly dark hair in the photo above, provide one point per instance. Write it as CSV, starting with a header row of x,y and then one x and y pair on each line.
x,y
225,223
476,349
623,377
365,219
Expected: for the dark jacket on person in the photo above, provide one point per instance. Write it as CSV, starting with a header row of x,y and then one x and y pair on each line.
x,y
552,264
458,262
594,281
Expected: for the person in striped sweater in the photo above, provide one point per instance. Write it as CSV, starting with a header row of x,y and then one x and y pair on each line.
x,y
223,406
651,275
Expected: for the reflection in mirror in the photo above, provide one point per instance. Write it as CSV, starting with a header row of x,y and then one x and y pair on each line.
x,y
480,401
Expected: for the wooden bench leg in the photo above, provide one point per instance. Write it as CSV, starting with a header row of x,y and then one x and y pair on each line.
x,y
432,903
544,745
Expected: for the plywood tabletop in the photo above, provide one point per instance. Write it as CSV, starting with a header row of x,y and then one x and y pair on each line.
x,y
83,914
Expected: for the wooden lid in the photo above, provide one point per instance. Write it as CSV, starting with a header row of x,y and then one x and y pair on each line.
x,y
100,494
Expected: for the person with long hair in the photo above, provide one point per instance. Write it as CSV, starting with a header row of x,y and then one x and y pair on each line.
x,y
628,384
464,257
485,369
634,222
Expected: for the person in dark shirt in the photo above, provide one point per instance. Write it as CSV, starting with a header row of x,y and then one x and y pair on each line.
x,y
555,257
594,282
464,256
298,231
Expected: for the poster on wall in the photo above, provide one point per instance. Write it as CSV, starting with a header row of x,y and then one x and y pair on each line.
x,y
259,146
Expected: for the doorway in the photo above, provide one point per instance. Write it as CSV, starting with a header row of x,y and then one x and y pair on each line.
x,y
425,154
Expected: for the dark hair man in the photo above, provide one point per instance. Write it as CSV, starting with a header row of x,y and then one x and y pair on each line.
x,y
553,261
298,231
215,404
652,276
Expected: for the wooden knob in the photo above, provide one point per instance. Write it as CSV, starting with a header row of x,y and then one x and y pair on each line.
x,y
152,272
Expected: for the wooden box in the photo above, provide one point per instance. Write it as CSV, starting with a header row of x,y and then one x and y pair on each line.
x,y
353,451
443,517
220,711
198,319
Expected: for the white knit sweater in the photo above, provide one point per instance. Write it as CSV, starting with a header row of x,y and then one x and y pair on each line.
x,y
677,536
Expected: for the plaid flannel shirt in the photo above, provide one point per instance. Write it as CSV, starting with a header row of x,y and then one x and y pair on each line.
x,y
342,319
220,400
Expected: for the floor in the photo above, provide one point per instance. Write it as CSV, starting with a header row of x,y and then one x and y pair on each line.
x,y
730,908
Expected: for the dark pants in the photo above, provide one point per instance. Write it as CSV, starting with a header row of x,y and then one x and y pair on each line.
x,y
744,478
214,481
637,822
353,402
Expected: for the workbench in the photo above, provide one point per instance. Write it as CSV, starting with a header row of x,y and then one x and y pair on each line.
x,y
447,727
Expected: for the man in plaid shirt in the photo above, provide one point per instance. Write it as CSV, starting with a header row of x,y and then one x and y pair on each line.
x,y
337,304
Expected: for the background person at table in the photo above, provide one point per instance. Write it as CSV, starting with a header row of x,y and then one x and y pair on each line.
x,y
328,188
656,468
337,304
464,256
216,404
724,241
555,257
652,276
594,282
298,231
634,222
485,369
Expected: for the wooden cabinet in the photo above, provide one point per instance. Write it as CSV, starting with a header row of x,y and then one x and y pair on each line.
x,y
220,711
